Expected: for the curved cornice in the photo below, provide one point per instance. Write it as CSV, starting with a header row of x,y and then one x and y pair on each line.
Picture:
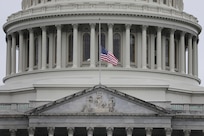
x,y
102,9
196,27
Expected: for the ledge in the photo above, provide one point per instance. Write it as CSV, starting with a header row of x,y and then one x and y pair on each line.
x,y
101,8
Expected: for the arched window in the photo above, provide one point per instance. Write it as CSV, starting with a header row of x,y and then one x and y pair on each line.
x,y
86,46
132,48
70,48
103,40
117,46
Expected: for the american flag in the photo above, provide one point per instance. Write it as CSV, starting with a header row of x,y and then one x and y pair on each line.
x,y
108,57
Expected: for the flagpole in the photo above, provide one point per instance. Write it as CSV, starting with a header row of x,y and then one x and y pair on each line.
x,y
99,47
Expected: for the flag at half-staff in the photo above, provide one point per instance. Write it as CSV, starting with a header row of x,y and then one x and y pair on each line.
x,y
108,57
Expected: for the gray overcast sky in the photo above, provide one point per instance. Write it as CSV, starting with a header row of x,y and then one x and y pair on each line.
x,y
7,7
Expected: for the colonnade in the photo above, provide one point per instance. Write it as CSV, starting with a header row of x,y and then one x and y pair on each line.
x,y
90,131
62,46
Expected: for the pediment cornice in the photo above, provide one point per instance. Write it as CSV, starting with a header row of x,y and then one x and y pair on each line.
x,y
101,101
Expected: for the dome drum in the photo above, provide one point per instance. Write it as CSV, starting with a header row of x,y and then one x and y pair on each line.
x,y
75,46
57,43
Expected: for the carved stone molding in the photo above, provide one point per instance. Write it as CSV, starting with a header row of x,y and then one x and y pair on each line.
x,y
128,26
97,103
109,131
70,131
90,131
148,131
129,131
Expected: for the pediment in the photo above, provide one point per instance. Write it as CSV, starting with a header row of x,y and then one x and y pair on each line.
x,y
98,100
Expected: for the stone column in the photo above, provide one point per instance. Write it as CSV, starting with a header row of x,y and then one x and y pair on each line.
x,y
182,53
127,53
44,47
152,51
12,132
159,60
70,131
90,131
109,131
13,54
75,45
31,49
8,56
163,53
172,51
59,47
195,57
110,40
20,60
148,131
51,131
31,131
168,131
190,55
51,48
187,132
93,46
129,131
144,47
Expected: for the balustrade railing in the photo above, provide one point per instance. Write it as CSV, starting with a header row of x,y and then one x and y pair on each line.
x,y
69,8
188,108
21,107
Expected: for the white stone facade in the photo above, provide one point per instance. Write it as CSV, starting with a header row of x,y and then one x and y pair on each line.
x,y
52,52
55,40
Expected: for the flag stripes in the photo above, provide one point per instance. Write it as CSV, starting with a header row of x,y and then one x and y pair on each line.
x,y
108,57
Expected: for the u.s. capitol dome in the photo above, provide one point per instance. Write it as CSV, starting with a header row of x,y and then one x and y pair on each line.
x,y
52,48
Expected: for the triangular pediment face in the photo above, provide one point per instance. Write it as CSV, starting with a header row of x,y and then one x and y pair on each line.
x,y
99,100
